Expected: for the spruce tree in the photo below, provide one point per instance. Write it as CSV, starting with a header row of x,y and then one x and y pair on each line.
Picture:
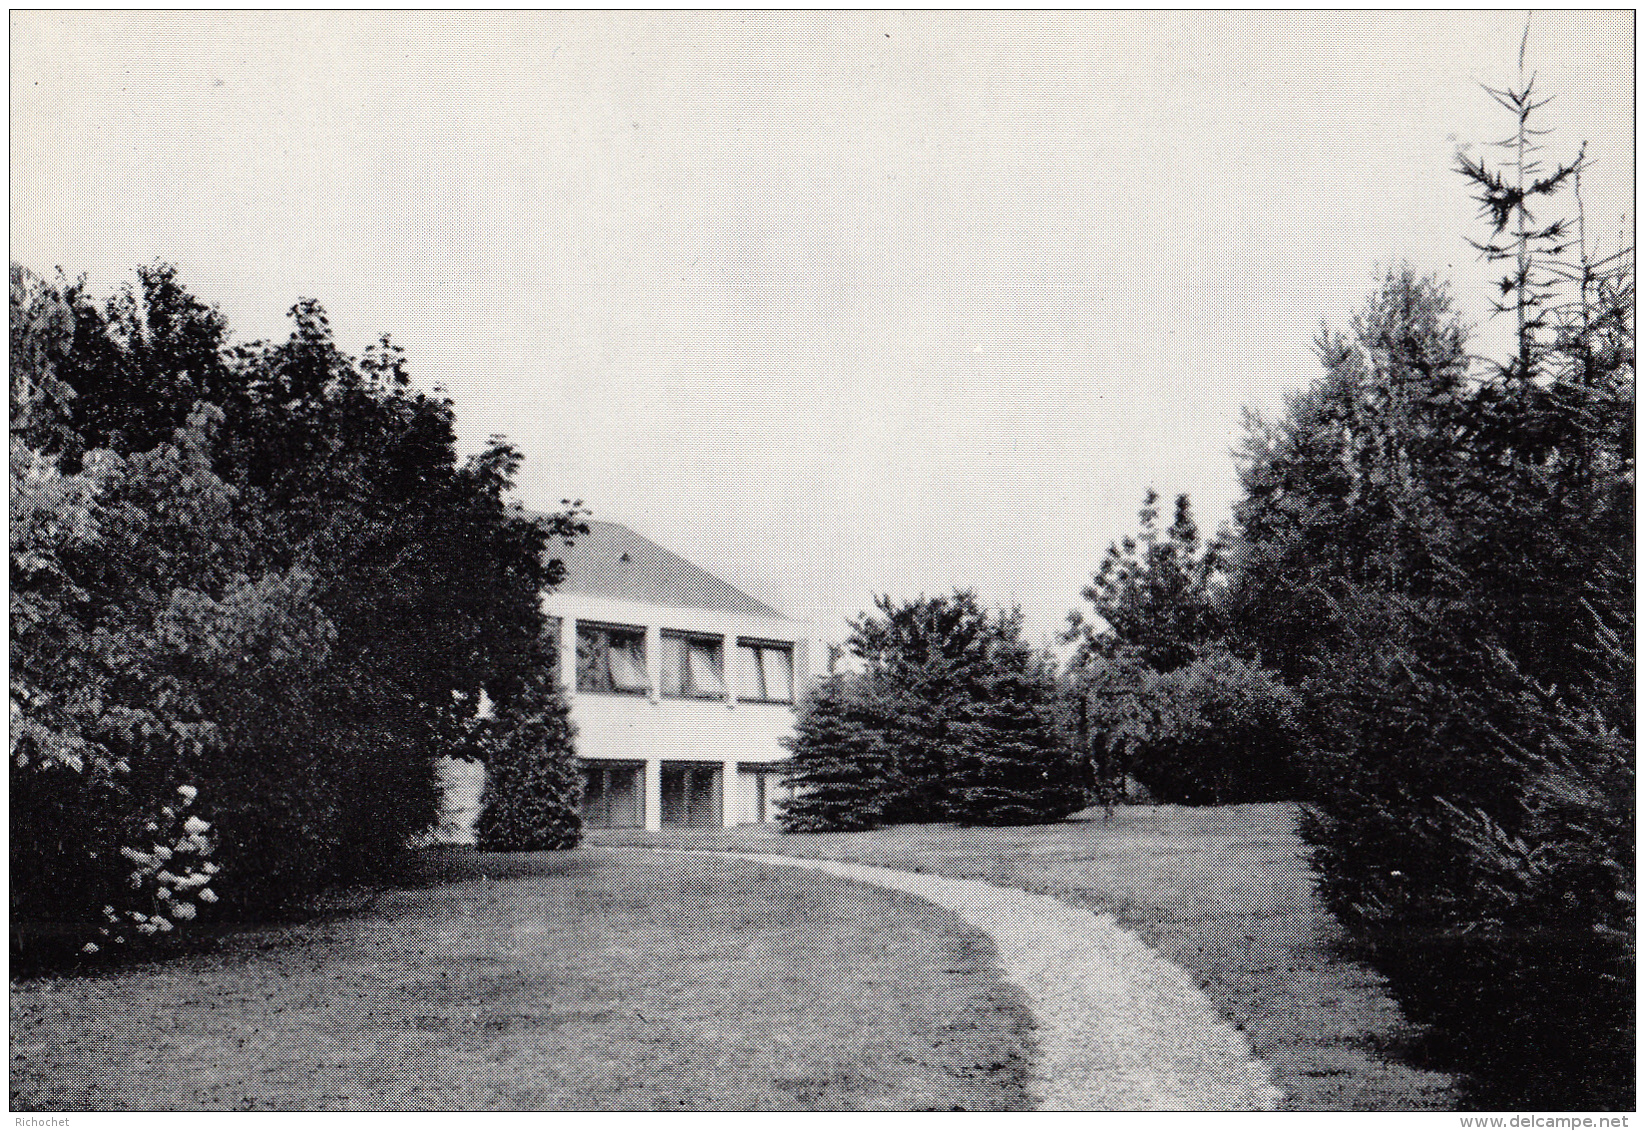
x,y
926,659
953,718
839,762
1012,767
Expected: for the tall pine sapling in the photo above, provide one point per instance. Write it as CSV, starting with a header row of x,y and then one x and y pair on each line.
x,y
1535,251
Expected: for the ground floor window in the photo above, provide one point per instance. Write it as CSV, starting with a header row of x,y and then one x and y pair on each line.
x,y
691,795
614,795
760,791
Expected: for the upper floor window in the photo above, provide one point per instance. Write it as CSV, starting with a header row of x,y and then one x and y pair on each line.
x,y
765,670
611,657
693,667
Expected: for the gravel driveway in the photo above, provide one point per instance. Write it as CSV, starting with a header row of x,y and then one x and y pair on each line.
x,y
1119,1027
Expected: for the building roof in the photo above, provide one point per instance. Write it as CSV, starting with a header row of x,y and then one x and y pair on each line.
x,y
613,562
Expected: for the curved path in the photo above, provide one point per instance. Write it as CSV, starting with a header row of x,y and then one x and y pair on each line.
x,y
1120,1027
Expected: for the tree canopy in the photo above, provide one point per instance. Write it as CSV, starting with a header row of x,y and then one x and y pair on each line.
x,y
1437,557
1154,596
260,571
1158,697
952,719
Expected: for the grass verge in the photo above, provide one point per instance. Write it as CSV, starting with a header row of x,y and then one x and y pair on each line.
x,y
568,981
1224,892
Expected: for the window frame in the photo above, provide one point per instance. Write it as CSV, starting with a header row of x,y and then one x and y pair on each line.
x,y
687,690
634,770
760,645
606,628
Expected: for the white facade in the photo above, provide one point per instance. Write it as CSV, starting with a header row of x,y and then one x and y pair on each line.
x,y
704,758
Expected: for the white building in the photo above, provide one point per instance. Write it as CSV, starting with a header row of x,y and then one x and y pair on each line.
x,y
682,687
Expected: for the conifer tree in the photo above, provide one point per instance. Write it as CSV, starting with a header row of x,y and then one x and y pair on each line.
x,y
838,765
1012,767
953,719
1154,594
533,784
927,660
1442,564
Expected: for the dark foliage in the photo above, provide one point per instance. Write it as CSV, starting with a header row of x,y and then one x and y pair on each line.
x,y
1219,730
1108,714
137,365
1222,731
1015,768
952,719
1160,700
1154,596
1348,498
533,786
839,758
1485,865
926,661
258,572
1442,568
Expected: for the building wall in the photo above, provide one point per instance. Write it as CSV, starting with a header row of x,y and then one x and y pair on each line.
x,y
655,729
462,782
630,726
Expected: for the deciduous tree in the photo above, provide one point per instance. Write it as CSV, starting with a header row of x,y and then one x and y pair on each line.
x,y
1153,594
261,571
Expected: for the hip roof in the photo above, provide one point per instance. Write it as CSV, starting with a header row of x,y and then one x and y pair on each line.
x,y
613,562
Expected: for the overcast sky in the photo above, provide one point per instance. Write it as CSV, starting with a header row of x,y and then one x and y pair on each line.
x,y
832,305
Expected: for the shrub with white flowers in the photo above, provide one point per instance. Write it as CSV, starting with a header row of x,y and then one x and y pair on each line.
x,y
169,877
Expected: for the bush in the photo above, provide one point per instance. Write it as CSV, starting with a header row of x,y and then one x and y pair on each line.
x,y
1222,731
58,882
1486,867
169,874
114,649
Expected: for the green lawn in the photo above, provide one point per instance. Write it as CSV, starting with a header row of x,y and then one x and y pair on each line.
x,y
1224,892
572,981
